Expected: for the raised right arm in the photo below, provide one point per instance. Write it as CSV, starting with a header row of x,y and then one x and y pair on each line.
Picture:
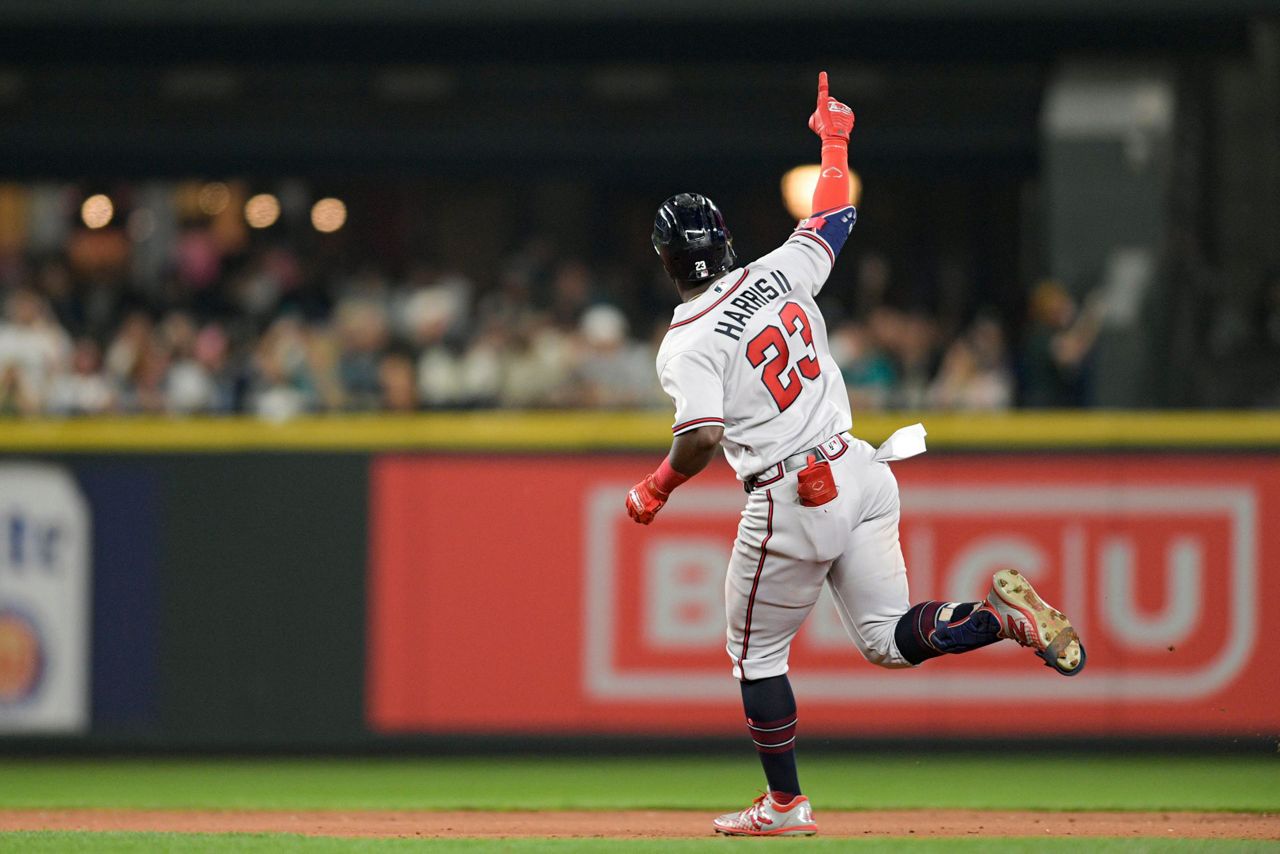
x,y
832,121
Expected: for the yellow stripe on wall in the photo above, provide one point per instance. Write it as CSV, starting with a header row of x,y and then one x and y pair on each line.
x,y
579,431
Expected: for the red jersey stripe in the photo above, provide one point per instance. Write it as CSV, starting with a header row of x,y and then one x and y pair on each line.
x,y
817,238
696,422
751,600
723,297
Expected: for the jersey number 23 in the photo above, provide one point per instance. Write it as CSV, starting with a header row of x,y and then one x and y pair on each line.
x,y
779,376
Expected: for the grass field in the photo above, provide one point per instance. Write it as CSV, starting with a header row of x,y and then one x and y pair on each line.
x,y
859,782
710,783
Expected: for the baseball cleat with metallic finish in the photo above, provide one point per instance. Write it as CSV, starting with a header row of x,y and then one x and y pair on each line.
x,y
766,818
1029,620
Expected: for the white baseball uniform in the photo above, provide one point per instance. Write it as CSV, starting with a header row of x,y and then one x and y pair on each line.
x,y
751,353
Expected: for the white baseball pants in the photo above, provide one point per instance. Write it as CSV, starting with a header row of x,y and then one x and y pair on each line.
x,y
785,552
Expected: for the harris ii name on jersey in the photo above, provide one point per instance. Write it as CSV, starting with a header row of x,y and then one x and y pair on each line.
x,y
753,298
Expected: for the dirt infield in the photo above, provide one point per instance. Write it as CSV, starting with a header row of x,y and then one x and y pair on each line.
x,y
641,824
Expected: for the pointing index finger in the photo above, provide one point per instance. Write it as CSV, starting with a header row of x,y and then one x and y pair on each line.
x,y
822,87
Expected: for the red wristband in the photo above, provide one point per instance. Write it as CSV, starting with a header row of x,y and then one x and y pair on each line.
x,y
666,478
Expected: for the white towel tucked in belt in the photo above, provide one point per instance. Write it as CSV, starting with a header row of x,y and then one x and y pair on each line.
x,y
904,443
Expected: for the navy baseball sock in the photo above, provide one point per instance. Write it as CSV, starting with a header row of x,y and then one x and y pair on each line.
x,y
930,629
771,720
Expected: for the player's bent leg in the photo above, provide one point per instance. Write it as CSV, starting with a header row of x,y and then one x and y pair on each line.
x,y
930,629
1012,610
868,581
872,633
869,584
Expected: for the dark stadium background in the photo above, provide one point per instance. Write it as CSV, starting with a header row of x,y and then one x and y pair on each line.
x,y
233,558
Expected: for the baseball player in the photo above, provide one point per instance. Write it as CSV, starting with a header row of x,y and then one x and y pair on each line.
x,y
748,367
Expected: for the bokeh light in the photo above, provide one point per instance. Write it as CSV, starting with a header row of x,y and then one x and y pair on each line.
x,y
97,210
262,210
328,215
798,185
214,198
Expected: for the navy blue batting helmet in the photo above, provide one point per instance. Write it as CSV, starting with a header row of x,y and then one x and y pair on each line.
x,y
692,240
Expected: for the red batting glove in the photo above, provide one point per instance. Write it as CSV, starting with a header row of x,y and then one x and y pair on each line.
x,y
647,497
645,500
832,120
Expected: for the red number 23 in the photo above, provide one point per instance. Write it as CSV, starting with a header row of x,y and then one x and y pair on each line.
x,y
784,387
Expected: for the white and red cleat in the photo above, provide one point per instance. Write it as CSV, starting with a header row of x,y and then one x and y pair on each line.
x,y
766,818
1029,620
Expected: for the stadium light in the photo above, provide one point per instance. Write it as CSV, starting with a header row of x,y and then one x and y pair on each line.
x,y
214,198
798,185
262,210
97,210
328,215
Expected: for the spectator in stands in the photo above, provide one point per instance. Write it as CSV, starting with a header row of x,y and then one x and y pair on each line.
x,y
126,352
1058,344
212,353
432,308
17,397
431,314
868,373
322,358
538,365
281,387
34,351
572,291
84,390
397,381
146,391
363,334
439,376
911,340
189,387
611,370
483,366
974,372
271,276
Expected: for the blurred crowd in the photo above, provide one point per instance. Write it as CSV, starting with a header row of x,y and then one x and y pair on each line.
x,y
261,327
431,341
276,350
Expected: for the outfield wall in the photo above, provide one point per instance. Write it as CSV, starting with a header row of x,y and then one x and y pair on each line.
x,y
356,581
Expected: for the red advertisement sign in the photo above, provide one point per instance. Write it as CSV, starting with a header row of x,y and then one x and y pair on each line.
x,y
514,595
